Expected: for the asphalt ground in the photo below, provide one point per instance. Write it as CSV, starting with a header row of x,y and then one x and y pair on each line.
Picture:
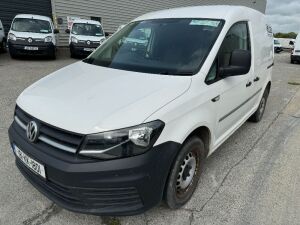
x,y
253,178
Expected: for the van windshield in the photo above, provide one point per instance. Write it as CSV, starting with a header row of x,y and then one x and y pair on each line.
x,y
160,46
87,29
31,25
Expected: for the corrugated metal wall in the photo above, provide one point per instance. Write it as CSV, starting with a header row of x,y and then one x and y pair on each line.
x,y
117,12
10,8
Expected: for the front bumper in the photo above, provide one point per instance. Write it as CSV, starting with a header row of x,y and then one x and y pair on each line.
x,y
81,49
44,49
117,187
278,49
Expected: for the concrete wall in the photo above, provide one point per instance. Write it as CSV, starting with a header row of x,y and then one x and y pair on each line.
x,y
117,12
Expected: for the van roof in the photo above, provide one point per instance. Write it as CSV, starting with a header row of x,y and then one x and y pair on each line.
x,y
38,17
209,12
86,21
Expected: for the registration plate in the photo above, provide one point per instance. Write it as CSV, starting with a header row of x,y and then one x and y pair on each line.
x,y
33,165
89,49
30,48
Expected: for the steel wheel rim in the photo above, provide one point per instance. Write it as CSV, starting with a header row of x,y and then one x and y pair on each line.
x,y
186,173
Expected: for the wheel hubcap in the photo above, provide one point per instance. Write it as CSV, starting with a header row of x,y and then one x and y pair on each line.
x,y
186,172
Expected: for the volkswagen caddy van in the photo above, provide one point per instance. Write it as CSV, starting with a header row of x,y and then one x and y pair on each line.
x,y
85,37
32,35
131,125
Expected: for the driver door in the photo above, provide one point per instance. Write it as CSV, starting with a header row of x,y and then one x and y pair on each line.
x,y
232,92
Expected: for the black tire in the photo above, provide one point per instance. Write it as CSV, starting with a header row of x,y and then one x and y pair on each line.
x,y
13,55
3,46
52,55
292,61
186,170
257,116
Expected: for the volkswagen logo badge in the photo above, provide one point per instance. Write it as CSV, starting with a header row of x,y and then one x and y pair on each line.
x,y
88,42
32,131
29,40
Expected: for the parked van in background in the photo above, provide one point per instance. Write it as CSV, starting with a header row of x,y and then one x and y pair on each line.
x,y
85,37
2,38
32,35
132,124
295,56
277,46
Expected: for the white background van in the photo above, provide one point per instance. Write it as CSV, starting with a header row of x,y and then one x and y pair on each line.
x,y
85,37
32,35
2,38
295,56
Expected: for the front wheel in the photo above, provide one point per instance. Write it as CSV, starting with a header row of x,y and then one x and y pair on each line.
x,y
3,46
185,173
257,116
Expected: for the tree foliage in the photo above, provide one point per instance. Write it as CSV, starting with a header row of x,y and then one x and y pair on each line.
x,y
292,35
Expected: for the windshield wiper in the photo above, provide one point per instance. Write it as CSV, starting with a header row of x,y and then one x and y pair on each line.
x,y
88,60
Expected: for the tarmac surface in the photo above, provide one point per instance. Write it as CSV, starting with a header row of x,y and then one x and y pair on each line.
x,y
253,178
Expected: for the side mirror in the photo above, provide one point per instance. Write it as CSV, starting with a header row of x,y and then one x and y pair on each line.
x,y
106,34
292,43
67,31
56,31
240,63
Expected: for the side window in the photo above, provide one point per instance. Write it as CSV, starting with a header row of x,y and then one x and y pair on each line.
x,y
237,38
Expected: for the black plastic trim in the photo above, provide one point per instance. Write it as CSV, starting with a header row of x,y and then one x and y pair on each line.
x,y
89,186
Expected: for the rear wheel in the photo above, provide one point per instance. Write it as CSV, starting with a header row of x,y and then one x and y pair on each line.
x,y
185,173
257,116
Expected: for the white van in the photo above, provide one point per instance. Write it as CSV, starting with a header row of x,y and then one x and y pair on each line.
x,y
32,35
85,37
295,56
277,46
2,38
131,124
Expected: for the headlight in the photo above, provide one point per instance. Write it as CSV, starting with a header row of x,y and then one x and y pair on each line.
x,y
12,37
74,40
122,143
48,39
102,41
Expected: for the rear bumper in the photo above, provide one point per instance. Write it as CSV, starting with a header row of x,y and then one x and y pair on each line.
x,y
117,187
45,49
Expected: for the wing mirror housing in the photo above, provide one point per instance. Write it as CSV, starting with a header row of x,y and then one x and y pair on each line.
x,y
240,64
292,43
56,31
106,34
67,31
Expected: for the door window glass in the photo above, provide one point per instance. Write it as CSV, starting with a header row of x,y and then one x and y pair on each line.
x,y
237,38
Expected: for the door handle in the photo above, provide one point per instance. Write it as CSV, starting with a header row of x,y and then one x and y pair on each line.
x,y
215,99
249,84
256,79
